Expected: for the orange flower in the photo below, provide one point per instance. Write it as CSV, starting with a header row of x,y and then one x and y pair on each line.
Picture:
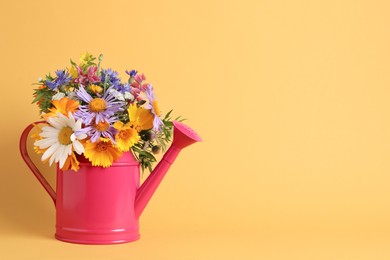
x,y
36,136
126,136
71,163
63,106
140,118
101,153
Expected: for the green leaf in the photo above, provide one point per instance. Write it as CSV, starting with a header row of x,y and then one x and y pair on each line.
x,y
168,123
38,97
168,114
179,119
73,63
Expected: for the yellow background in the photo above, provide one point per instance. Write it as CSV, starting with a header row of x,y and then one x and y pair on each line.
x,y
290,97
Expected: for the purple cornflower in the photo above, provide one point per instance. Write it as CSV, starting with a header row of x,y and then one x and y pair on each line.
x,y
97,109
131,73
111,77
63,78
124,88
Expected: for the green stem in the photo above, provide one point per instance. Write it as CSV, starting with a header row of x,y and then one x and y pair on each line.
x,y
100,60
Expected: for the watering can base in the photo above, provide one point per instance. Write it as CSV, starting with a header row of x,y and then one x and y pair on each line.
x,y
96,238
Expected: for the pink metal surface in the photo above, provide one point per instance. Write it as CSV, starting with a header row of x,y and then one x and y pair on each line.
x,y
183,136
30,164
97,205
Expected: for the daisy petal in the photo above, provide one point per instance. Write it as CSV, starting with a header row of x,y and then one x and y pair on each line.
x,y
45,143
78,147
50,151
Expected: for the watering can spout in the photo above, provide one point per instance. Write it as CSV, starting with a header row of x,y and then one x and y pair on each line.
x,y
183,136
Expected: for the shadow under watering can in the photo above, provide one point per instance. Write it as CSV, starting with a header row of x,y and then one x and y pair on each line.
x,y
97,205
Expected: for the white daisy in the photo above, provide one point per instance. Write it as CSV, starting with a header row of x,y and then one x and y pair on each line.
x,y
61,138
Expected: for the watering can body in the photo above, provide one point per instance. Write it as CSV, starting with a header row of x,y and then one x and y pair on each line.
x,y
97,205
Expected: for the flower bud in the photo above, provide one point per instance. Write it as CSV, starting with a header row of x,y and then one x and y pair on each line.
x,y
156,149
148,136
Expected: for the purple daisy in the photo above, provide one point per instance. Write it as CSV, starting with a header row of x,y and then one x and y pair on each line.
x,y
153,106
98,108
101,129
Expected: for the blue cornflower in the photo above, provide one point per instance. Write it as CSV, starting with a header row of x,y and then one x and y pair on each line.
x,y
122,88
63,78
131,73
112,78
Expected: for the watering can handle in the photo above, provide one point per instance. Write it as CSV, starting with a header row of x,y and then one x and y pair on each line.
x,y
29,162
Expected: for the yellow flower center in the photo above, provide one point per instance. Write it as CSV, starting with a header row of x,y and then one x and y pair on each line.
x,y
101,147
136,126
156,107
64,135
97,105
102,126
96,89
123,134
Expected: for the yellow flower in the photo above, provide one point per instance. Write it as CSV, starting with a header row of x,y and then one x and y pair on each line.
x,y
36,136
101,153
96,89
85,58
126,136
63,106
140,118
73,72
71,163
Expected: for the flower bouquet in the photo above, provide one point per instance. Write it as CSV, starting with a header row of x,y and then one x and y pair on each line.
x,y
90,111
104,129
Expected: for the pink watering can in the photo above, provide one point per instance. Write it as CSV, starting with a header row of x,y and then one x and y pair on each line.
x,y
98,205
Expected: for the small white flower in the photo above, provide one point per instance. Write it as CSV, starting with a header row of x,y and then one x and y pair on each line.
x,y
128,96
120,97
72,95
117,94
58,96
61,137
